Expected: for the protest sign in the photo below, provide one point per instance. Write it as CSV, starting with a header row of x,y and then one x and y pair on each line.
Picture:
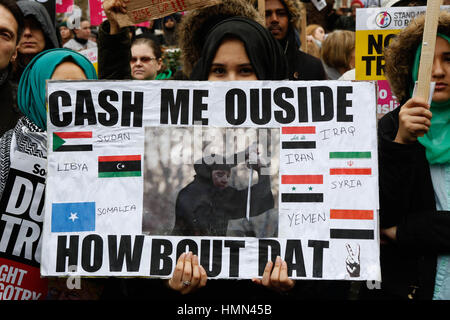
x,y
21,216
64,6
128,186
96,13
375,28
144,10
427,49
73,17
92,55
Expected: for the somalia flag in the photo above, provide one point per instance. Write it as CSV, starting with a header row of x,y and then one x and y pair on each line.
x,y
73,217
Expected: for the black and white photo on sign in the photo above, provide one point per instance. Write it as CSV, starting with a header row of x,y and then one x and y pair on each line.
x,y
196,181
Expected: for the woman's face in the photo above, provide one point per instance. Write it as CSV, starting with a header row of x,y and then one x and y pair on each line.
x,y
441,70
144,65
231,63
32,40
64,32
68,71
319,34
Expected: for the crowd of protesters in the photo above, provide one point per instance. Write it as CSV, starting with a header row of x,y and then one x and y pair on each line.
x,y
233,41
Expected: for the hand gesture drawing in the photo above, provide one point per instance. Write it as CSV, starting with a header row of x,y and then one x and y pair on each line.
x,y
353,261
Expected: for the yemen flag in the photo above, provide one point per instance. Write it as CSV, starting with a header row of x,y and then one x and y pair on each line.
x,y
72,141
352,224
119,166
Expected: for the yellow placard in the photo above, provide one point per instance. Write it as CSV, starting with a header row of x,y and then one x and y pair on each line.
x,y
369,58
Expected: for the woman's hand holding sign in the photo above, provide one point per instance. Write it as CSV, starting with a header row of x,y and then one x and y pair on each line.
x,y
414,120
188,275
276,279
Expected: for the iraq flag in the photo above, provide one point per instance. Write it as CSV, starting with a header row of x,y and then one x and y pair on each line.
x,y
119,166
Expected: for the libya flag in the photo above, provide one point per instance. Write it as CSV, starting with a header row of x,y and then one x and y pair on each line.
x,y
119,166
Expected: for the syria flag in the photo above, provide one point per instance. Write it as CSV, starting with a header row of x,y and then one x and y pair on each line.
x,y
119,166
72,141
298,188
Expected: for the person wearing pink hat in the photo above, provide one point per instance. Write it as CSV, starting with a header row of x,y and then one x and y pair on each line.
x,y
356,4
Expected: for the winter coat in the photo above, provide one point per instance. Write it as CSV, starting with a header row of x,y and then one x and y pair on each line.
x,y
407,199
10,112
114,53
408,265
204,210
301,66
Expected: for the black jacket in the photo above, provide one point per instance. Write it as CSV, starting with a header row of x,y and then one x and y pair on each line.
x,y
114,53
205,210
301,66
10,114
408,265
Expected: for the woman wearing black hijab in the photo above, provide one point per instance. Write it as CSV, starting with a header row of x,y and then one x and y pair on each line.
x,y
236,48
263,51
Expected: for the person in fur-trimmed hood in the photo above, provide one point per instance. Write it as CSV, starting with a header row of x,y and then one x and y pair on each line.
x,y
282,18
196,24
414,172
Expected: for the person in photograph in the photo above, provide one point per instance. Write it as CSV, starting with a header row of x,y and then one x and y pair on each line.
x,y
206,205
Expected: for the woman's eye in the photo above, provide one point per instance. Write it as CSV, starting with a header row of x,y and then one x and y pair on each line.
x,y
247,71
218,70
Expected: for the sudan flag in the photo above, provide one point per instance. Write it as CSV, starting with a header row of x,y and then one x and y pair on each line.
x,y
119,166
72,141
